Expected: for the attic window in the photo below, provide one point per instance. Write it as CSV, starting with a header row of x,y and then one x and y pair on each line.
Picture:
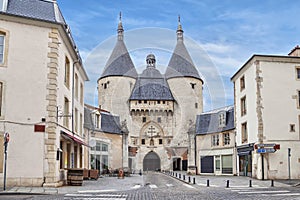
x,y
222,119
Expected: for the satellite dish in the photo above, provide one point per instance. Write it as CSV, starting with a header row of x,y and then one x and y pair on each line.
x,y
92,143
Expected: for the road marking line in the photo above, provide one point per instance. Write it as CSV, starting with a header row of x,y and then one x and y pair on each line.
x,y
136,186
189,186
284,194
262,192
170,185
101,198
96,191
97,195
152,186
201,184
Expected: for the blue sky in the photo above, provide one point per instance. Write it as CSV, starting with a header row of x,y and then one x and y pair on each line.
x,y
220,35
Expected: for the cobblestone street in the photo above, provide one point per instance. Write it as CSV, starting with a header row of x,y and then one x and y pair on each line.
x,y
156,186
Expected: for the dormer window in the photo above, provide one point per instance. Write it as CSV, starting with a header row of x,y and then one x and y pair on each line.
x,y
97,121
222,119
3,5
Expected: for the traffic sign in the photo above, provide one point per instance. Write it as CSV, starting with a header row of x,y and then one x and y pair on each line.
x,y
265,150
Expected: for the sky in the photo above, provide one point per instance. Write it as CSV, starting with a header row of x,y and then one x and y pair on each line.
x,y
219,35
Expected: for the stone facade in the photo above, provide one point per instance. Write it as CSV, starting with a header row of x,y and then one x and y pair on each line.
x,y
267,113
33,72
157,107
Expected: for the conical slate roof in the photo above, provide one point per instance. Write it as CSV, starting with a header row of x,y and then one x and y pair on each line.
x,y
181,64
119,63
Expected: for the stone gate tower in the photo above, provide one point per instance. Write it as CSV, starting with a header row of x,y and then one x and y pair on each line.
x,y
159,108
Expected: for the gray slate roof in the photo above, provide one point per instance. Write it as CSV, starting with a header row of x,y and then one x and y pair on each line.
x,y
119,63
151,85
109,123
181,64
208,122
35,9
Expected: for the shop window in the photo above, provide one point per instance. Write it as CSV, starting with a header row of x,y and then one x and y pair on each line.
x,y
217,163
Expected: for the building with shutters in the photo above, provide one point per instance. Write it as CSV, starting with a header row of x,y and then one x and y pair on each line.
x,y
159,108
267,113
41,94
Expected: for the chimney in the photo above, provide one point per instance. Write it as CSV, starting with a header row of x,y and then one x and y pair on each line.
x,y
295,51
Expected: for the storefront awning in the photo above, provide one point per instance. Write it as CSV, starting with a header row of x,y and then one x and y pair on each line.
x,y
72,137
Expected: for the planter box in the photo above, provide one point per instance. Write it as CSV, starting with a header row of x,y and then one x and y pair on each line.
x,y
94,174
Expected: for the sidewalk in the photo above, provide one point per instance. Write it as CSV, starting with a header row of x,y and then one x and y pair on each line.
x,y
102,184
234,181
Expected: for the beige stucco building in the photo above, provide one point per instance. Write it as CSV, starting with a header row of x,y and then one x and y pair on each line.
x,y
104,134
158,108
266,93
215,142
41,94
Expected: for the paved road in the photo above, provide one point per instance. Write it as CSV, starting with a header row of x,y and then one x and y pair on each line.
x,y
158,186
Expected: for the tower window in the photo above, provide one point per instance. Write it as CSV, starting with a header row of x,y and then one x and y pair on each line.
x,y
105,85
143,141
158,102
292,127
144,119
160,141
193,85
159,119
145,101
164,102
196,105
140,101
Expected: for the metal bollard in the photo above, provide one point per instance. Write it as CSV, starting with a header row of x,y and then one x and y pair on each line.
x,y
179,176
250,183
184,177
272,183
227,184
194,180
189,179
207,183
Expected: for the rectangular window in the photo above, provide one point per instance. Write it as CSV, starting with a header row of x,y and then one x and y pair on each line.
x,y
158,102
140,101
66,112
81,93
76,120
143,141
217,163
292,127
226,139
67,72
80,124
104,147
298,73
160,141
97,120
222,119
76,86
298,98
144,119
98,146
243,106
159,119
2,39
196,105
164,102
145,101
227,164
1,97
215,140
242,83
1,152
244,133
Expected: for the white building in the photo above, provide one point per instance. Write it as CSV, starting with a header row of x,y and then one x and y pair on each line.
x,y
41,93
267,112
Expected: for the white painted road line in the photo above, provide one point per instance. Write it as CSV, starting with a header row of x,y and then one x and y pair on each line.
x,y
98,195
264,192
170,185
136,187
284,194
96,191
188,186
152,186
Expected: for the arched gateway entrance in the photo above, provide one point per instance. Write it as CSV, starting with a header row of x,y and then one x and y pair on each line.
x,y
151,162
